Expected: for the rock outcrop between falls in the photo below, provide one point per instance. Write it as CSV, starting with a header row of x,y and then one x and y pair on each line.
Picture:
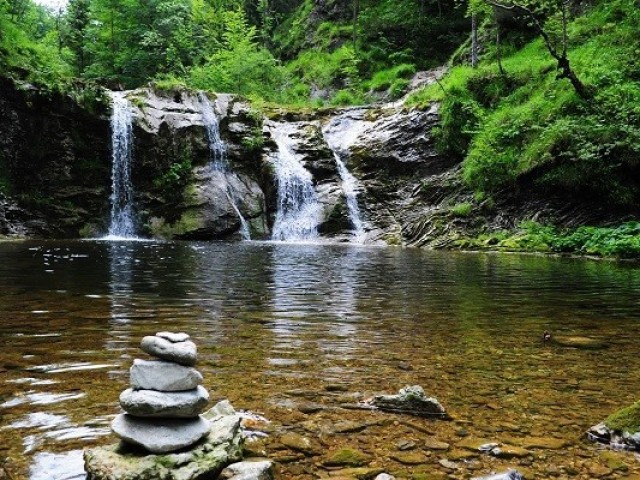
x,y
55,167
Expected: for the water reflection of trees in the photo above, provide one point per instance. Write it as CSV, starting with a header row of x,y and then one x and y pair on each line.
x,y
316,296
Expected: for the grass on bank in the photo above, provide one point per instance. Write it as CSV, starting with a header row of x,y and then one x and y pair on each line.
x,y
527,123
622,241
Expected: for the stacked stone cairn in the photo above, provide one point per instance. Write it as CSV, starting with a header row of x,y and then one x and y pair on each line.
x,y
166,397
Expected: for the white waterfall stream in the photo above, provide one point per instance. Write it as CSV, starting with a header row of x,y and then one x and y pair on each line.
x,y
217,147
299,212
122,208
218,150
350,185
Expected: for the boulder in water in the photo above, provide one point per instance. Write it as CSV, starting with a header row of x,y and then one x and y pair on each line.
x,y
160,435
163,376
508,475
410,400
151,403
184,353
621,430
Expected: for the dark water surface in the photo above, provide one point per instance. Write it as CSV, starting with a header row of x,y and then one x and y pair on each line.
x,y
276,324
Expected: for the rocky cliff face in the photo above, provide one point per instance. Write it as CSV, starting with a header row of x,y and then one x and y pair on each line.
x,y
54,161
55,168
180,194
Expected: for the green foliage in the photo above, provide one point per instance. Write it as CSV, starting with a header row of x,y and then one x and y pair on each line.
x,y
173,181
462,210
241,65
384,79
625,420
30,45
77,21
255,141
527,123
622,241
168,83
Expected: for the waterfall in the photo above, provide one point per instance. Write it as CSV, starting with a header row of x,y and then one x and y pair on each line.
x,y
299,212
218,152
122,221
217,147
350,186
244,226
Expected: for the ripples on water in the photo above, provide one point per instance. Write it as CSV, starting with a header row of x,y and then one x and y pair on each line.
x,y
274,320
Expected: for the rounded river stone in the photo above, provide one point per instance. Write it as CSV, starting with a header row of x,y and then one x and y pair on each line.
x,y
173,337
163,376
151,403
160,435
184,353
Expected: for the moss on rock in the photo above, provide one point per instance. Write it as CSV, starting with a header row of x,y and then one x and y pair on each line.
x,y
625,420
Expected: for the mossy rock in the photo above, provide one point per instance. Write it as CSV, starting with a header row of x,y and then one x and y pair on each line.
x,y
625,420
347,457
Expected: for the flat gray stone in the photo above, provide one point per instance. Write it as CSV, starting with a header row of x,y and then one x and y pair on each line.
x,y
173,337
184,353
254,469
508,475
163,376
206,459
160,435
151,403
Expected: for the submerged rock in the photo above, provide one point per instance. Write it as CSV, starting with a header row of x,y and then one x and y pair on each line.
x,y
184,353
508,475
411,400
582,343
346,457
163,376
255,469
160,435
221,447
151,403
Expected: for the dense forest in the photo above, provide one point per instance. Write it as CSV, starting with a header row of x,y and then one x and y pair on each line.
x,y
536,92
281,51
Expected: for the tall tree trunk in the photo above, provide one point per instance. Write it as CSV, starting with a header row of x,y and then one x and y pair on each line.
x,y
474,41
113,43
356,13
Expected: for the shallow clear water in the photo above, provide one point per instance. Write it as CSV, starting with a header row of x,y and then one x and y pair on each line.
x,y
276,324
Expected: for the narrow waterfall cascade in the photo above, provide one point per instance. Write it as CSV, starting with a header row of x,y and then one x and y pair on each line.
x,y
218,151
217,147
299,212
122,207
350,187
244,226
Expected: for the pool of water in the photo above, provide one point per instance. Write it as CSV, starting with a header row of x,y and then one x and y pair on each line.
x,y
279,326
